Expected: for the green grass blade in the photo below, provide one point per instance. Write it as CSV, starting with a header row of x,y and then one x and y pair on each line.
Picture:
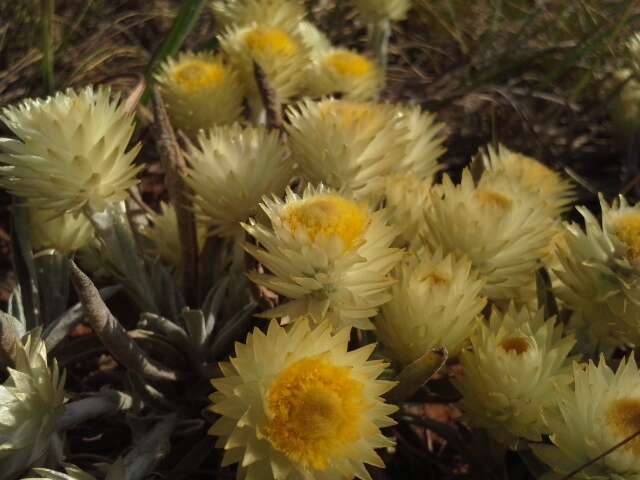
x,y
183,24
47,8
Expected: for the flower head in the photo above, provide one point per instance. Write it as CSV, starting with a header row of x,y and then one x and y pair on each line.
x,y
200,90
31,402
434,304
231,169
286,14
296,404
329,254
516,366
64,233
601,411
71,151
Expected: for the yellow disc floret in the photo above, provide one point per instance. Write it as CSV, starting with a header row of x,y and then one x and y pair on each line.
x,y
198,74
495,199
270,41
624,418
349,64
627,229
315,410
518,345
328,215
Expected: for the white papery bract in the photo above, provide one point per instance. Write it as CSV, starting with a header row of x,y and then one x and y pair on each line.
x,y
279,50
294,404
64,233
554,191
602,410
353,145
434,304
286,14
71,151
512,374
377,10
600,275
230,169
200,90
344,72
31,402
504,233
330,255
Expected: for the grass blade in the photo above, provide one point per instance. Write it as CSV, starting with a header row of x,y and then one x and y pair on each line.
x,y
46,21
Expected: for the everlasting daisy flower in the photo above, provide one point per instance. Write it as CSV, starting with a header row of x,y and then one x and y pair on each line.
x,y
346,72
71,151
601,411
353,145
286,14
328,254
377,10
296,404
280,52
31,402
62,233
200,90
512,374
231,169
555,192
600,273
434,304
165,237
505,232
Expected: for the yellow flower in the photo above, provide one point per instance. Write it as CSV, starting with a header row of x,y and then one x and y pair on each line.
x,y
200,91
71,152
328,254
231,169
240,13
296,404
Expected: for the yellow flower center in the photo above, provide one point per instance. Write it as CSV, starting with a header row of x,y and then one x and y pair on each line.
x,y
349,64
435,278
328,215
315,409
271,42
351,113
518,345
627,228
494,199
624,418
197,75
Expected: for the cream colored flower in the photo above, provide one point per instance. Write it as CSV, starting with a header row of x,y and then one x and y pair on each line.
x,y
231,169
503,229
286,14
200,90
294,403
601,411
354,145
71,151
62,233
435,303
600,275
377,10
512,375
328,254
280,52
407,197
345,72
164,235
314,39
31,402
556,192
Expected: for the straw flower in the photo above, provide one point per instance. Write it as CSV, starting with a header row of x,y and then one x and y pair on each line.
x,y
63,233
328,254
286,14
434,304
71,151
512,375
200,90
231,169
296,404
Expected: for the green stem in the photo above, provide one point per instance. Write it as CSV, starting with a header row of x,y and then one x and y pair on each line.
x,y
47,8
379,33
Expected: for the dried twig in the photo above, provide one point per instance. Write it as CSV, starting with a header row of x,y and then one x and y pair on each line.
x,y
416,374
269,97
112,333
174,166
